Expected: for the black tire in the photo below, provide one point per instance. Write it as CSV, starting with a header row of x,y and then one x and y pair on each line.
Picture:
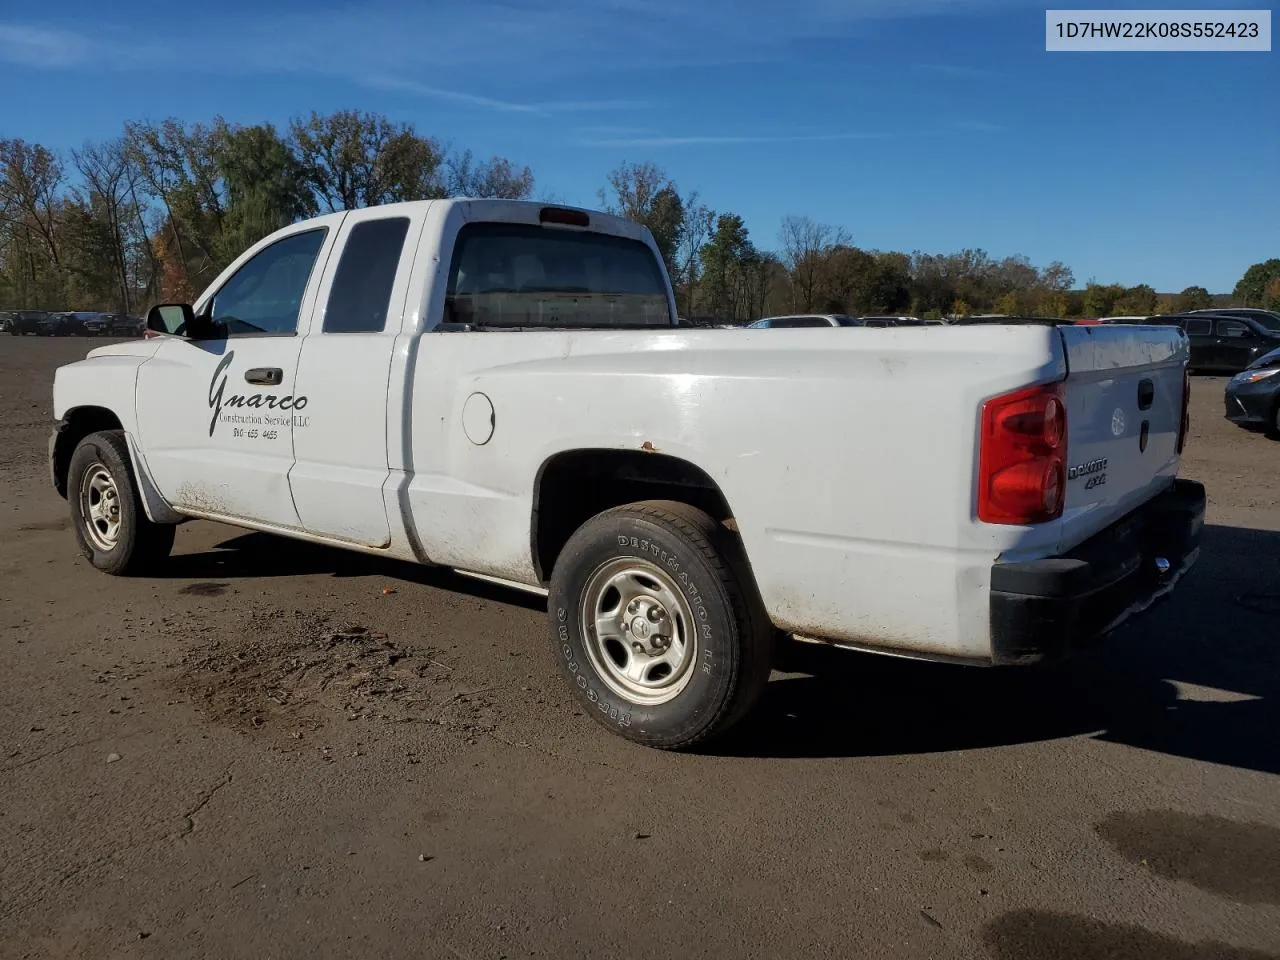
x,y
705,575
1273,428
100,473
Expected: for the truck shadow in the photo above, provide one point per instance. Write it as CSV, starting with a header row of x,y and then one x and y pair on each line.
x,y
1199,677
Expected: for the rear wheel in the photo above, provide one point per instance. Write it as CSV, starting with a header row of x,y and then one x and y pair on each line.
x,y
112,529
657,625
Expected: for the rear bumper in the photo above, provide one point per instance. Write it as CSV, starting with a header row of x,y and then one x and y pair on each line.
x,y
1045,609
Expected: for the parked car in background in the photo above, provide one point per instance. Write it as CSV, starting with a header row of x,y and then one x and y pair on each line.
x,y
65,324
6,319
806,320
891,321
1222,344
95,324
1268,318
24,322
119,325
1122,319
1253,395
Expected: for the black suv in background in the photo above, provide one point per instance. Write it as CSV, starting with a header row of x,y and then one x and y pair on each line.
x,y
1268,318
1222,343
23,322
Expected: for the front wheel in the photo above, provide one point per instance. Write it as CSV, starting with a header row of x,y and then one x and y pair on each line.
x,y
657,625
112,529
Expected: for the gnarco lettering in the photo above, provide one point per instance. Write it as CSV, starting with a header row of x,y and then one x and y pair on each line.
x,y
254,401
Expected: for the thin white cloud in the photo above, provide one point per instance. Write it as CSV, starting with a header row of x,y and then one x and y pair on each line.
x,y
951,69
691,141
396,85
42,47
500,46
399,85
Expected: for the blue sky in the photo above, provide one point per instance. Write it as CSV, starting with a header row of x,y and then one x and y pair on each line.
x,y
915,124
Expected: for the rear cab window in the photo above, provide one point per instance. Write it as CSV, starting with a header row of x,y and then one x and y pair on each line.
x,y
520,276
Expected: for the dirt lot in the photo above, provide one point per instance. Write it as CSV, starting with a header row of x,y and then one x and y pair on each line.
x,y
282,751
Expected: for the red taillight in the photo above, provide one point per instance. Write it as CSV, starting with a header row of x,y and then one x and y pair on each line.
x,y
1186,409
1022,457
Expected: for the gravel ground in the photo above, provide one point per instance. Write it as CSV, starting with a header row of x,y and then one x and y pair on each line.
x,y
278,750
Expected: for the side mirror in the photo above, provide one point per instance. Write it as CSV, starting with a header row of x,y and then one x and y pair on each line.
x,y
174,319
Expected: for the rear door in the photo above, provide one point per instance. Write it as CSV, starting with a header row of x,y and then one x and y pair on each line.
x,y
1124,396
1236,345
340,447
1204,342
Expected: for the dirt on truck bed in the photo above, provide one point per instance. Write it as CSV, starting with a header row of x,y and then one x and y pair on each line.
x,y
279,750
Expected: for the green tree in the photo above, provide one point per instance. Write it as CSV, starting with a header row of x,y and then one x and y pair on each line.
x,y
177,166
265,187
351,159
644,193
731,270
1100,299
1192,298
1252,290
1137,301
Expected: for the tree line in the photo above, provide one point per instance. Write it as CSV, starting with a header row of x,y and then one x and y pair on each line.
x,y
159,211
156,213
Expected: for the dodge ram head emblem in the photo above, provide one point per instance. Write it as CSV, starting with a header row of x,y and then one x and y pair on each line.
x,y
1117,423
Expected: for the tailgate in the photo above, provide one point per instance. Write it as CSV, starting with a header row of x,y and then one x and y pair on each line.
x,y
1124,397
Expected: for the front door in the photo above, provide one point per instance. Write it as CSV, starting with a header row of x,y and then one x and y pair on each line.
x,y
341,461
1236,340
217,416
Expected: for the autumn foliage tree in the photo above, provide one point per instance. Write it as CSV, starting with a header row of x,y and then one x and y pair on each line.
x,y
159,211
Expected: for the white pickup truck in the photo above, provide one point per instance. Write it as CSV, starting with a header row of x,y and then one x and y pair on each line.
x,y
503,388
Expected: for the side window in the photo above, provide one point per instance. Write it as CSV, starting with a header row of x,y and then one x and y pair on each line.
x,y
1198,328
265,295
361,293
1233,328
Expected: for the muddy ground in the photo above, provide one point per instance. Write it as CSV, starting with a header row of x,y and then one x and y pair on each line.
x,y
276,750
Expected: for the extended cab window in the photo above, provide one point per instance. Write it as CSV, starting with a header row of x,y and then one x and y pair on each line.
x,y
361,294
265,295
519,275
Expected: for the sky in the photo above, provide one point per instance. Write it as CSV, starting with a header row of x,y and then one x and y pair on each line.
x,y
929,125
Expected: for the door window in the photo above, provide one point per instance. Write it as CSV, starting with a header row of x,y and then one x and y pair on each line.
x,y
361,293
1232,329
1199,328
265,295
